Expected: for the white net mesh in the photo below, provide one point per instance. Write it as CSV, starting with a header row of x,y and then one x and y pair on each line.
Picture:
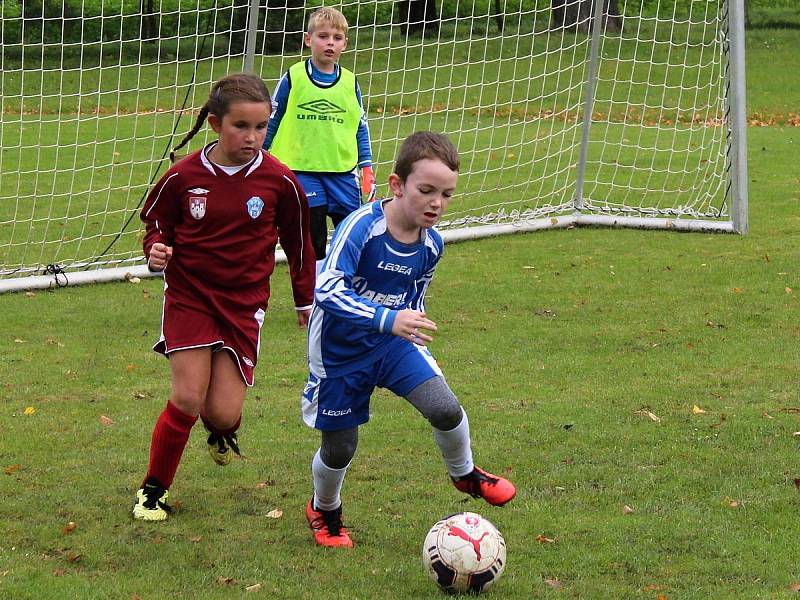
x,y
93,97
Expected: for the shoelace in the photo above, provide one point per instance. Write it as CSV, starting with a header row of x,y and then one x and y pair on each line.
x,y
153,496
332,519
221,439
474,483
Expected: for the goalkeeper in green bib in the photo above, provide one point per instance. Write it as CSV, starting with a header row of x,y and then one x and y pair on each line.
x,y
318,128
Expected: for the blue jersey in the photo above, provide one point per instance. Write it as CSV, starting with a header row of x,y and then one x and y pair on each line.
x,y
367,277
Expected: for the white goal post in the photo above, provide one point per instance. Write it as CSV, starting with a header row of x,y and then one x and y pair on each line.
x,y
566,112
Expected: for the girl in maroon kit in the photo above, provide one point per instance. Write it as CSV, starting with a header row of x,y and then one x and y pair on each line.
x,y
212,223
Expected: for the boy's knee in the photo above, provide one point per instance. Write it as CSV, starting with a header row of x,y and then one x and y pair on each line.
x,y
338,447
437,403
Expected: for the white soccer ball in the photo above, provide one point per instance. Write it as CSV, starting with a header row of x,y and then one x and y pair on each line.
x,y
464,553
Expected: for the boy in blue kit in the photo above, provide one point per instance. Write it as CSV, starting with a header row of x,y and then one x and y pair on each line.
x,y
369,328
318,128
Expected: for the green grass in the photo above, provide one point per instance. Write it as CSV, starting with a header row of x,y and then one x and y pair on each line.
x,y
557,344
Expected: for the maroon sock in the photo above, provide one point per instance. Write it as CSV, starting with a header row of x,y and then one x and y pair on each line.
x,y
170,436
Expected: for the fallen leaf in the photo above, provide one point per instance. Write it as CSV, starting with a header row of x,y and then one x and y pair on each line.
x,y
73,557
648,414
58,572
627,510
797,482
19,341
732,503
29,410
737,290
275,514
105,421
195,538
553,583
788,290
225,580
70,527
544,540
696,410
795,587
30,294
130,367
661,597
253,588
12,469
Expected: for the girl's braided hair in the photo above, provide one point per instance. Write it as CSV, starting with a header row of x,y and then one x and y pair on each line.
x,y
236,87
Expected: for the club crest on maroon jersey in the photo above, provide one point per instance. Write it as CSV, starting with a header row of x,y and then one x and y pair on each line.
x,y
197,207
254,206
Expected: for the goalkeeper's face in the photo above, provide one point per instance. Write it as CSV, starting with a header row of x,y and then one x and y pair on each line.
x,y
423,197
327,44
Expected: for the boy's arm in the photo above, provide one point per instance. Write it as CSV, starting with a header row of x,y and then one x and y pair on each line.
x,y
362,135
295,238
279,100
368,187
335,292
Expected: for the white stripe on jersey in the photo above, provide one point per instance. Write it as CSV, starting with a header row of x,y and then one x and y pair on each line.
x,y
158,196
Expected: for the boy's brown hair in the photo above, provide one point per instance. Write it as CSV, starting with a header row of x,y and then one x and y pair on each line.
x,y
327,15
425,144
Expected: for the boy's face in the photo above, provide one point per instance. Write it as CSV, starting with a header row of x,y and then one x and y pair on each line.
x,y
327,44
423,197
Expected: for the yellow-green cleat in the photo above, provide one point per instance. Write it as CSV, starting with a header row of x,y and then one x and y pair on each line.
x,y
222,446
151,503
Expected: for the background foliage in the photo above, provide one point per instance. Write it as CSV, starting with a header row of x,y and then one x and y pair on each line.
x,y
88,21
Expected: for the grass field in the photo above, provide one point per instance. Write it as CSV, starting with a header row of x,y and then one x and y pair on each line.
x,y
601,369
561,345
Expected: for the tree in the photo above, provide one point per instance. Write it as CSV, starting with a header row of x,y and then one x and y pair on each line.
x,y
149,20
283,24
579,14
419,17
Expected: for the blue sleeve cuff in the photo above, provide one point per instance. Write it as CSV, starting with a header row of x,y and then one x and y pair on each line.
x,y
383,320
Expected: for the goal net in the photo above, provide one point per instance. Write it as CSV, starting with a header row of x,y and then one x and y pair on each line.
x,y
566,112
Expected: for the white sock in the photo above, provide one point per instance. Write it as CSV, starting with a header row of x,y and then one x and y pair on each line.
x,y
319,266
455,448
327,484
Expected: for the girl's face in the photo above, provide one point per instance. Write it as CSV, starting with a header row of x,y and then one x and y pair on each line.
x,y
241,132
327,44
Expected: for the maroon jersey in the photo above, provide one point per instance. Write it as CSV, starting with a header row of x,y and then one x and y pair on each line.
x,y
223,228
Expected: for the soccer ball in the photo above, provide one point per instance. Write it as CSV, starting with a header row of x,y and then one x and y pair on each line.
x,y
464,553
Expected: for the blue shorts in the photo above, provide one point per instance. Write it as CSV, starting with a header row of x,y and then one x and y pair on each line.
x,y
340,192
335,403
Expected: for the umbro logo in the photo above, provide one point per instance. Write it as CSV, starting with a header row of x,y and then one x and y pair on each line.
x,y
321,107
198,190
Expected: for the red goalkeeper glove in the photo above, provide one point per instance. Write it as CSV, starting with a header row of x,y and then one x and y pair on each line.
x,y
368,187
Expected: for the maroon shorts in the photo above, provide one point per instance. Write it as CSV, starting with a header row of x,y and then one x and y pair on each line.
x,y
196,316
